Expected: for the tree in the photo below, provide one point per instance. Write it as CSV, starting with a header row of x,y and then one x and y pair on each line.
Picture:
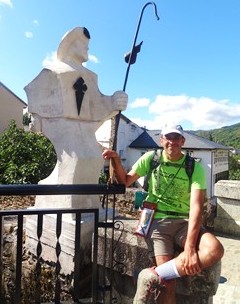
x,y
234,167
25,157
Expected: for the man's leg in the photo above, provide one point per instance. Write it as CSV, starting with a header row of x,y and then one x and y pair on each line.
x,y
167,295
148,287
162,236
210,252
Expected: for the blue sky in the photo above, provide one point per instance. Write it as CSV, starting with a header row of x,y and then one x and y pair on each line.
x,y
188,70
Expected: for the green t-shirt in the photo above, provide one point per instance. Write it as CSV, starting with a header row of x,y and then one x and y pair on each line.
x,y
169,185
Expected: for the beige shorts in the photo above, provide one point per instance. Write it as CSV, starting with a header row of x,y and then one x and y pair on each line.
x,y
166,234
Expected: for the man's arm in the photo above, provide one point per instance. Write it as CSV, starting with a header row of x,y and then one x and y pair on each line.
x,y
191,262
121,175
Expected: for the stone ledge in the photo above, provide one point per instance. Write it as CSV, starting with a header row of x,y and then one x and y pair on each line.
x,y
131,255
228,189
228,207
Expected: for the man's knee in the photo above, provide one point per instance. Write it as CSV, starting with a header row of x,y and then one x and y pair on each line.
x,y
210,246
218,250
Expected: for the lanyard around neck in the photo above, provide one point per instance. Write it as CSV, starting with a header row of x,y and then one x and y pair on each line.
x,y
172,179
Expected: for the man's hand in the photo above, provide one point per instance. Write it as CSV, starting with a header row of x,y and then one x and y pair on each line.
x,y
108,154
190,261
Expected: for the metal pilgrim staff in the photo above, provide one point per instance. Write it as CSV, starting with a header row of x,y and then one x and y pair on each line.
x,y
130,58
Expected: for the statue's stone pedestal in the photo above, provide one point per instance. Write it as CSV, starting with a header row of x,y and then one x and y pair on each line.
x,y
49,241
131,254
228,207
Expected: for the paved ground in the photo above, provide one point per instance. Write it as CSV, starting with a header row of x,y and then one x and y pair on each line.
x,y
229,287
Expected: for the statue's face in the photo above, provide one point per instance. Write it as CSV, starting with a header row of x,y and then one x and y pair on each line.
x,y
74,46
80,49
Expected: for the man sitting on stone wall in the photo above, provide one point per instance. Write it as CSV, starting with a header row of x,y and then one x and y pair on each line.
x,y
177,219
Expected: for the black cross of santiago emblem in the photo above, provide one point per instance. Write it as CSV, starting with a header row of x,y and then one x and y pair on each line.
x,y
80,88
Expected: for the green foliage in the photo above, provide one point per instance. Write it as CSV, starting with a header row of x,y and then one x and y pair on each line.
x,y
228,136
103,178
234,167
25,157
26,119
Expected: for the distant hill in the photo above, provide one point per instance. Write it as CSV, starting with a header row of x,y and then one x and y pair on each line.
x,y
228,136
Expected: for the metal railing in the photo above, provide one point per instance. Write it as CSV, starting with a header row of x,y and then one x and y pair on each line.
x,y
101,189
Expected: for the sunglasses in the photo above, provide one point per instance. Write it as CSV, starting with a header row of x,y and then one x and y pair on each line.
x,y
172,136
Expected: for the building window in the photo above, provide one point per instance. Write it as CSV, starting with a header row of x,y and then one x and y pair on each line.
x,y
222,176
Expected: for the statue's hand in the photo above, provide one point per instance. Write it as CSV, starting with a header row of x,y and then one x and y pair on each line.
x,y
120,99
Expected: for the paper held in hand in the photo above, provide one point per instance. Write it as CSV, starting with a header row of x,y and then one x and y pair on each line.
x,y
145,219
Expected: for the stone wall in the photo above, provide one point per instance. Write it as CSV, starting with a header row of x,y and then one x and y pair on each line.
x,y
131,255
227,220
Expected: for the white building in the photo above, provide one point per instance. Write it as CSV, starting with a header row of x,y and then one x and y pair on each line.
x,y
133,141
11,108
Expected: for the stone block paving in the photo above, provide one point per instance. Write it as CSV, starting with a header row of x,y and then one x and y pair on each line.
x,y
229,286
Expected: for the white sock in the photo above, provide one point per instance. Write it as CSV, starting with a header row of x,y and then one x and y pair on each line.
x,y
168,270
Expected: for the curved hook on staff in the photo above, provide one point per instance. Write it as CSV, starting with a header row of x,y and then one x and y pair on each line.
x,y
130,58
136,49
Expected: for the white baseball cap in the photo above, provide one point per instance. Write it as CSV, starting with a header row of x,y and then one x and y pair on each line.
x,y
172,129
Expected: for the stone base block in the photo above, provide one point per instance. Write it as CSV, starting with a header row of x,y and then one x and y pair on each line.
x,y
50,243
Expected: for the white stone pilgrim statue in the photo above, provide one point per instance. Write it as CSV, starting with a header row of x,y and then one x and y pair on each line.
x,y
67,107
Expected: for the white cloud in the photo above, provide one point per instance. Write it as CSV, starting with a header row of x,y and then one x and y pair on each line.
x,y
140,103
28,34
192,112
149,124
6,2
93,58
50,59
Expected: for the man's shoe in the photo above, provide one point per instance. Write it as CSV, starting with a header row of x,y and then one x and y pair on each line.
x,y
149,286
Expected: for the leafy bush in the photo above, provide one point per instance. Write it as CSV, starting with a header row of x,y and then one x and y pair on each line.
x,y
25,157
103,178
234,167
26,119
